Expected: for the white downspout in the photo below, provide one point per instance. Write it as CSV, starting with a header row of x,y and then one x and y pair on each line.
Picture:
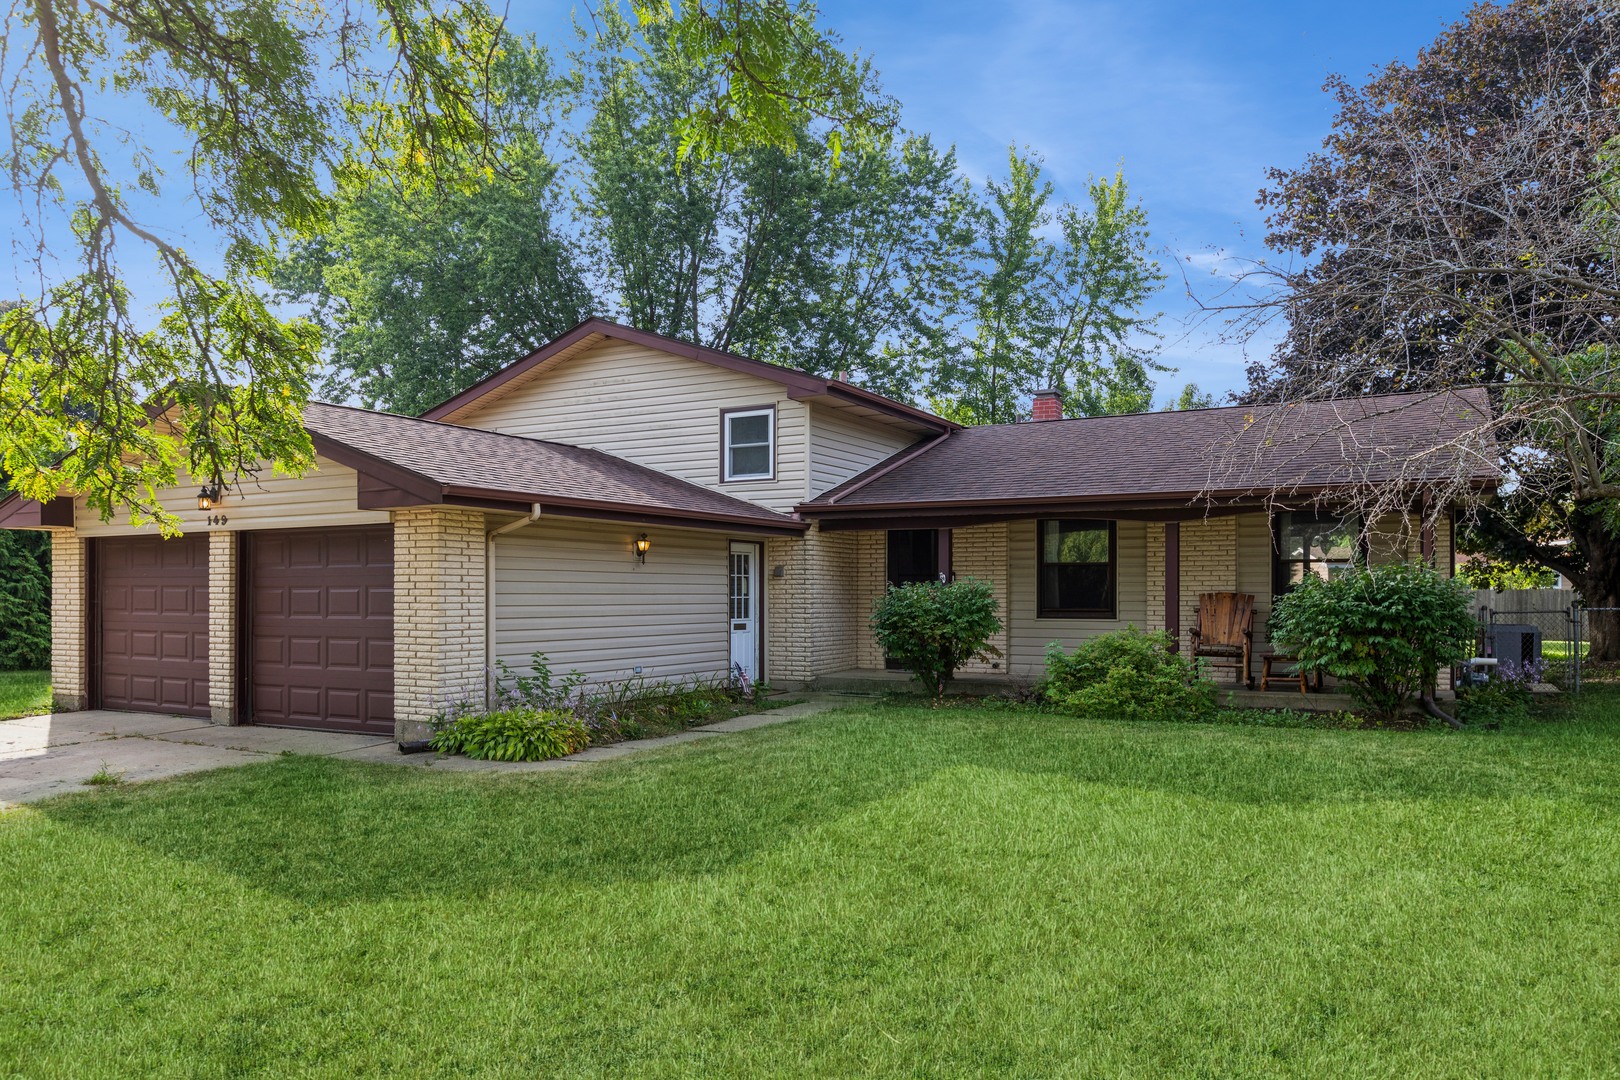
x,y
489,598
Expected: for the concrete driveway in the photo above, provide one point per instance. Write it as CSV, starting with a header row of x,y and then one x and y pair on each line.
x,y
42,756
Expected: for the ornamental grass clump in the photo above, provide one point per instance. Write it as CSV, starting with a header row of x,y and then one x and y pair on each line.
x,y
1128,674
517,734
1385,631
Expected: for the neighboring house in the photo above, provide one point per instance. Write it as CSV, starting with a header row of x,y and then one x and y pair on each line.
x,y
632,505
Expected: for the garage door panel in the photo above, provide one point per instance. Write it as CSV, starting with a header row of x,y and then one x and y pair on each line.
x,y
323,629
152,623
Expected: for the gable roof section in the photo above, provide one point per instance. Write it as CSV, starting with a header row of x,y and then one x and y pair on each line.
x,y
404,461
1170,458
592,332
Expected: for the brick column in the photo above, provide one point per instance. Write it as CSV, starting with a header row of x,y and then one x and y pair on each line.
x,y
70,667
812,613
981,552
439,613
222,600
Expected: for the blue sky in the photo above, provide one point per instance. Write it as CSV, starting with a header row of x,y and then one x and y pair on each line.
x,y
1194,100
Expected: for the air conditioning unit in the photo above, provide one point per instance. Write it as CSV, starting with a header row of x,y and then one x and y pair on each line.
x,y
1514,643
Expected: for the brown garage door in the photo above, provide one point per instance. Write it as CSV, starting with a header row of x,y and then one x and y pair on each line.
x,y
321,628
152,623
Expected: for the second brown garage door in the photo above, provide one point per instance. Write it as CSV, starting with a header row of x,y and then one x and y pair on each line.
x,y
321,628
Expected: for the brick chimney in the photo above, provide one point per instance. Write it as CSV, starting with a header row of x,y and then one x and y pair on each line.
x,y
1048,406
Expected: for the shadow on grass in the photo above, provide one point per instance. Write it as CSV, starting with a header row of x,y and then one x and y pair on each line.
x,y
322,832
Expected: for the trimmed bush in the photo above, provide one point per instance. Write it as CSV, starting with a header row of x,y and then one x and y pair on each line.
x,y
519,734
1129,674
1383,630
934,627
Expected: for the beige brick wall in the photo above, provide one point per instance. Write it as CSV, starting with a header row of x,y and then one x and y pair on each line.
x,y
440,620
813,612
70,668
871,573
222,600
981,552
1209,563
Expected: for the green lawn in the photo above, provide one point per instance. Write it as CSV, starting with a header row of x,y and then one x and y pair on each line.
x,y
24,693
879,891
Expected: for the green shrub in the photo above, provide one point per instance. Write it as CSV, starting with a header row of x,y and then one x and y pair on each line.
x,y
1384,630
1129,674
519,734
934,627
25,601
1501,701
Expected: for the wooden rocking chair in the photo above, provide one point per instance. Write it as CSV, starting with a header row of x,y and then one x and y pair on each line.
x,y
1223,632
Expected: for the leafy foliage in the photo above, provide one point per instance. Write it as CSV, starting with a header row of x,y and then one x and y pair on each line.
x,y
1384,630
934,627
1032,312
518,734
775,74
421,293
1458,229
1489,572
279,111
1128,674
1503,699
25,600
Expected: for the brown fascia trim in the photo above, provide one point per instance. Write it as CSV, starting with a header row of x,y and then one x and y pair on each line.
x,y
495,499
799,384
17,512
1165,506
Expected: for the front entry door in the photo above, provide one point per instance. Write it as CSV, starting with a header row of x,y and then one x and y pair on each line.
x,y
745,609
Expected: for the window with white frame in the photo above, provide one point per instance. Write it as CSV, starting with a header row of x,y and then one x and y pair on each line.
x,y
750,444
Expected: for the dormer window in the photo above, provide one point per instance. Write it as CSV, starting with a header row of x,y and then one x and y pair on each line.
x,y
748,438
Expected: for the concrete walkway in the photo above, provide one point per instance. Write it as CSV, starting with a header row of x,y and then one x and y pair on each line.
x,y
41,756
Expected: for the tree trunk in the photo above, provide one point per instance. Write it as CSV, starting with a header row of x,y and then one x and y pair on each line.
x,y
1599,587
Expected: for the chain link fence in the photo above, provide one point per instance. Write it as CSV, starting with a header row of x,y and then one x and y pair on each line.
x,y
1539,636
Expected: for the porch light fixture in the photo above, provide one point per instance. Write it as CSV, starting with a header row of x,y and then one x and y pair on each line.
x,y
208,497
643,545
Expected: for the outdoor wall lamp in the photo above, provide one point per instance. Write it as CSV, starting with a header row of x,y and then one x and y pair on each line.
x,y
643,545
208,497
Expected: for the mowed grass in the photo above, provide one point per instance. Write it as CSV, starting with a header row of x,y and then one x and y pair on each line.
x,y
878,891
24,693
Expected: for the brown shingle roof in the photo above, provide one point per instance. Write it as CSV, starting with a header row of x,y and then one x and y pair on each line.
x,y
467,462
1218,453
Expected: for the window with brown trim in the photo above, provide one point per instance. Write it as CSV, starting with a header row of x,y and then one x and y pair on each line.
x,y
748,444
1314,544
1078,567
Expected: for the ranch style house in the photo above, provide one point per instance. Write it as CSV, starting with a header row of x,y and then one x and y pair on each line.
x,y
630,504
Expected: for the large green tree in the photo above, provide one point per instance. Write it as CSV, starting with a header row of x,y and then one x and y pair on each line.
x,y
1035,311
276,107
1460,226
423,291
799,256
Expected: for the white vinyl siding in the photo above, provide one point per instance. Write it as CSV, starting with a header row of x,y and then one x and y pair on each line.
x,y
323,497
845,443
574,590
1028,634
657,410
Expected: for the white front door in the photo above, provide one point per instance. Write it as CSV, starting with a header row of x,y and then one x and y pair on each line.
x,y
745,609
